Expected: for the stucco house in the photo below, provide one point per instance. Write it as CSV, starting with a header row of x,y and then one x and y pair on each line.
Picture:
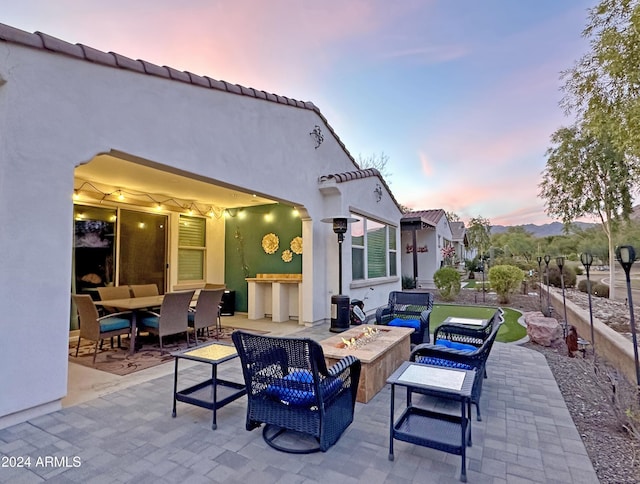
x,y
119,171
424,234
460,242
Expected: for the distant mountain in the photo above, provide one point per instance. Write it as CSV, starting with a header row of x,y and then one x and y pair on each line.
x,y
546,230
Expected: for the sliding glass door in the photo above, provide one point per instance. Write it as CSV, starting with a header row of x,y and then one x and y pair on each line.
x,y
143,249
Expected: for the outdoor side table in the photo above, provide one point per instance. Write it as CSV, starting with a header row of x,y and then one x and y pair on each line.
x,y
214,393
448,433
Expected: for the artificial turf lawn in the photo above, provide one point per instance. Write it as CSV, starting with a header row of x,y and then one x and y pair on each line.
x,y
510,331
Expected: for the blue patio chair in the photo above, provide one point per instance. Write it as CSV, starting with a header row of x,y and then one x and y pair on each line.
x,y
96,328
291,390
409,310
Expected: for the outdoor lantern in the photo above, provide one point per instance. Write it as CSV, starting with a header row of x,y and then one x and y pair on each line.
x,y
547,259
560,263
539,259
587,259
626,255
339,302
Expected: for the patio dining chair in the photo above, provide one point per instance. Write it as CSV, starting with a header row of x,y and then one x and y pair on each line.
x,y
96,328
207,312
409,310
291,391
172,319
143,290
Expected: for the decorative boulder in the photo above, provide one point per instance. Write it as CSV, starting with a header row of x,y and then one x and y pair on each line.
x,y
542,330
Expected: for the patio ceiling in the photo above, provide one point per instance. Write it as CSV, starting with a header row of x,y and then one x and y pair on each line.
x,y
110,173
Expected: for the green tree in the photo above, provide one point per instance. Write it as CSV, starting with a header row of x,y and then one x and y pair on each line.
x,y
586,175
447,280
479,234
516,242
603,87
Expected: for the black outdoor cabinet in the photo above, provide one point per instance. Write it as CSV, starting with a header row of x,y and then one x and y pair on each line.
x,y
228,303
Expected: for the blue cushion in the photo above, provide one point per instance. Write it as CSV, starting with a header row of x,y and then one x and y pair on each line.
x,y
455,346
405,323
150,321
297,388
430,360
191,316
113,324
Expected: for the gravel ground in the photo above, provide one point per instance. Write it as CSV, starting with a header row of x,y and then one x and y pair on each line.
x,y
589,394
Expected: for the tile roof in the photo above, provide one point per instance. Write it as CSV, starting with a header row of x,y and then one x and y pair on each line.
x,y
428,217
46,42
356,175
457,230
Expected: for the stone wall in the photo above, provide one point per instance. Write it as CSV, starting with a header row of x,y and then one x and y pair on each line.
x,y
609,344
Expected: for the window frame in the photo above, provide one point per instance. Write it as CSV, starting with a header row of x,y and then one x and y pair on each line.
x,y
200,249
390,249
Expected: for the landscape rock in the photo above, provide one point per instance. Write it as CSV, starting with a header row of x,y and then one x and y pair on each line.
x,y
543,330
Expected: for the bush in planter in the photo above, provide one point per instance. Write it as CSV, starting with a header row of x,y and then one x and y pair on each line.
x,y
582,286
600,290
447,280
505,280
568,273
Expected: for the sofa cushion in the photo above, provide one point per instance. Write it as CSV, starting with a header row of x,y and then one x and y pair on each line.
x,y
405,323
297,388
150,321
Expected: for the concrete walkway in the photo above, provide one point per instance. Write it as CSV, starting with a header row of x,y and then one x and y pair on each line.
x,y
526,436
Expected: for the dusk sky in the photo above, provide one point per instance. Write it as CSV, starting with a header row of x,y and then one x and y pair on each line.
x,y
461,95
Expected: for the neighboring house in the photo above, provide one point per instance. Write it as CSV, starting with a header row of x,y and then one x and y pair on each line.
x,y
119,171
424,234
460,242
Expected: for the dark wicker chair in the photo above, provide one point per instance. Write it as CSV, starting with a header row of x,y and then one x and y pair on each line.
x,y
408,309
451,357
290,388
472,335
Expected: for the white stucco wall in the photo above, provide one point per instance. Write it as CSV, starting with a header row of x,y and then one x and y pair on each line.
x,y
58,112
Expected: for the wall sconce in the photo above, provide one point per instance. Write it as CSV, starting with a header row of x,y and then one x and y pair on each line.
x,y
378,192
316,134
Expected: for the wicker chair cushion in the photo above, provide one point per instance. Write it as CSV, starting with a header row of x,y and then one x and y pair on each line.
x,y
430,360
151,321
405,323
456,346
112,324
297,388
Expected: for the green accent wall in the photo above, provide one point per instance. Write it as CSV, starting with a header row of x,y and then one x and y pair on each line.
x,y
244,255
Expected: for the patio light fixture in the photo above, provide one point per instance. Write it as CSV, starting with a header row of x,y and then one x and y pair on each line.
x,y
626,255
539,259
339,302
560,263
547,259
587,259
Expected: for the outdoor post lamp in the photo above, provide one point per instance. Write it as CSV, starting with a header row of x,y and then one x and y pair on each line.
x,y
539,259
626,255
547,259
339,302
482,264
587,259
560,262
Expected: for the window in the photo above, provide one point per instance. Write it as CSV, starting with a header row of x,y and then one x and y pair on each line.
x,y
191,248
373,249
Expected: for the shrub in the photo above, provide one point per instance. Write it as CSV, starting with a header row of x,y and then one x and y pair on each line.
x,y
569,277
582,286
505,280
447,280
408,282
579,270
599,289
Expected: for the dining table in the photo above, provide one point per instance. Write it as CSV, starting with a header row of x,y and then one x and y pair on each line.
x,y
135,305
